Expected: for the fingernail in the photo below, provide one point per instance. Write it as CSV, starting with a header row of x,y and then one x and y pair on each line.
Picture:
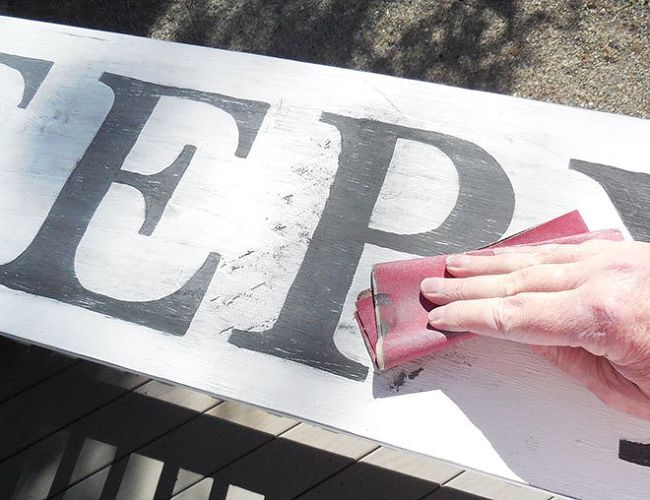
x,y
457,260
435,316
431,285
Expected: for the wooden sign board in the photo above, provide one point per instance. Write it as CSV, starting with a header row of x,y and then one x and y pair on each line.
x,y
207,218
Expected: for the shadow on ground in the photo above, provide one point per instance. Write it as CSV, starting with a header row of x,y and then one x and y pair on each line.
x,y
134,17
588,53
472,44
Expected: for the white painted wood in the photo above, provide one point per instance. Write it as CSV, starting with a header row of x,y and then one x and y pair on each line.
x,y
495,488
486,405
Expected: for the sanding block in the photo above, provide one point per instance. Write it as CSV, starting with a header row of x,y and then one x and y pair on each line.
x,y
392,314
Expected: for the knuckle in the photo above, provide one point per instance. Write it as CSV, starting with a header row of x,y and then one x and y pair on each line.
x,y
506,315
559,274
607,312
461,289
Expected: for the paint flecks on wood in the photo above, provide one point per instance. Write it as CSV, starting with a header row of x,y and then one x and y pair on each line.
x,y
309,317
174,162
46,267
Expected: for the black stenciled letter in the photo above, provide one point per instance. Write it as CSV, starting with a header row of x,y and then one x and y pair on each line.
x,y
629,192
305,327
46,267
33,72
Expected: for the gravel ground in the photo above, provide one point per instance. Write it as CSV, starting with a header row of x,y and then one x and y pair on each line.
x,y
593,53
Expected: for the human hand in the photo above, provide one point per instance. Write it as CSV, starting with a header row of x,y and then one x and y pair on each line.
x,y
584,307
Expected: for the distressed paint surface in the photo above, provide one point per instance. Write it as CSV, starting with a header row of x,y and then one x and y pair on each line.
x,y
208,218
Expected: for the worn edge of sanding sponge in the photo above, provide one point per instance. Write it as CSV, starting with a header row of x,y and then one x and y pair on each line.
x,y
380,361
364,296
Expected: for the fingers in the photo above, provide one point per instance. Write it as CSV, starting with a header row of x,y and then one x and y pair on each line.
x,y
543,278
555,318
586,247
508,259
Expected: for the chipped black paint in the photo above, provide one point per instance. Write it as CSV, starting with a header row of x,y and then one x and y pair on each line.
x,y
304,329
33,71
312,309
398,381
46,267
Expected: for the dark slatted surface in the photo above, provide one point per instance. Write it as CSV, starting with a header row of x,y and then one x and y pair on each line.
x,y
74,429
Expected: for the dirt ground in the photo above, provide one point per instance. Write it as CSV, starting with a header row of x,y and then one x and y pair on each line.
x,y
588,53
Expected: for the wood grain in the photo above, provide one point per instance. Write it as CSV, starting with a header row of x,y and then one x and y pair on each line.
x,y
207,218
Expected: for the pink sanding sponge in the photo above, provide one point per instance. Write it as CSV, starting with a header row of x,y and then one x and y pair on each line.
x,y
392,315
